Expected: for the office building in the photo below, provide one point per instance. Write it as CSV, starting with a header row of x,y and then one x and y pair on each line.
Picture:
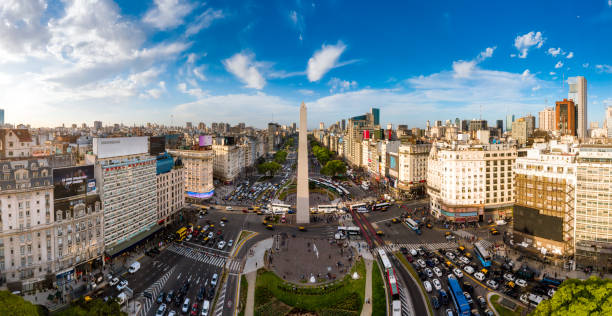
x,y
198,165
546,120
97,125
1,117
544,208
359,128
321,125
593,221
500,125
578,94
477,125
188,125
170,188
469,183
228,161
126,178
412,168
509,121
608,122
520,130
565,117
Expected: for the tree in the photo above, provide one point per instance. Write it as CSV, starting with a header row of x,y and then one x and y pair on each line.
x,y
11,304
579,297
334,168
269,167
280,156
95,307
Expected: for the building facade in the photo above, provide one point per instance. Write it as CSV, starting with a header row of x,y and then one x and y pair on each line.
x,y
546,120
198,173
228,162
565,117
15,143
412,168
578,93
170,190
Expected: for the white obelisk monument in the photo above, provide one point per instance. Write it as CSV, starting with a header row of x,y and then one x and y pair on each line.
x,y
303,200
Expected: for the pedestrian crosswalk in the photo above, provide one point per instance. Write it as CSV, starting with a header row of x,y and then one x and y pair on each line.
x,y
428,246
487,244
463,234
221,301
234,266
198,255
407,308
154,290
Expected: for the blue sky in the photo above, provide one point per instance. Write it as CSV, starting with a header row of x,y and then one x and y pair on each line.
x,y
172,61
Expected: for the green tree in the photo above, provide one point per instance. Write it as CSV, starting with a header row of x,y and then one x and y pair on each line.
x,y
579,297
270,167
280,156
95,307
11,304
334,168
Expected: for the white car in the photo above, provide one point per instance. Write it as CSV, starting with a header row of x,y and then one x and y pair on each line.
x,y
171,313
509,277
222,224
185,308
122,285
437,284
161,310
551,292
520,282
221,244
421,263
450,255
437,271
524,299
468,269
479,276
114,281
413,252
458,273
428,272
492,284
427,286
229,208
464,260
188,237
210,235
213,282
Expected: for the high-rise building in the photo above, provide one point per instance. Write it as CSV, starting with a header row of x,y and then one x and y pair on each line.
x,y
608,123
1,117
228,161
198,174
500,125
477,125
458,122
578,93
188,125
343,124
465,126
97,125
520,130
321,125
170,188
202,126
546,119
355,134
412,168
509,121
565,117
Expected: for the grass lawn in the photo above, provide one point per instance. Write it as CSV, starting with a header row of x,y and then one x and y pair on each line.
x,y
244,234
344,297
416,277
379,301
244,287
502,311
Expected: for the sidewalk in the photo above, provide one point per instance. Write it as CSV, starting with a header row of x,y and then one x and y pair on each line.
x,y
255,256
250,301
367,306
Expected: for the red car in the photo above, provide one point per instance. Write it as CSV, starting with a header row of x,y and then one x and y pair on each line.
x,y
219,232
194,309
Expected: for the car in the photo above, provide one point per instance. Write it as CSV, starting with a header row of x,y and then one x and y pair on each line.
x,y
160,298
428,272
214,279
172,313
413,252
479,276
421,263
435,302
409,258
222,224
437,284
437,271
492,284
458,273
229,208
201,294
114,281
188,237
488,312
524,299
194,309
427,286
468,287
449,312
185,308
468,297
161,310
464,260
468,269
219,232
169,296
450,255
509,277
436,261
443,297
122,285
481,302
230,243
429,263
551,292
210,235
520,282
205,228
205,308
221,244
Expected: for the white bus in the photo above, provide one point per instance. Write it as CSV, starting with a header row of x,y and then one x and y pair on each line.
x,y
327,208
278,209
349,230
358,206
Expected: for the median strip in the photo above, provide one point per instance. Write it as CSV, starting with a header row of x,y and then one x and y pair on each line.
x,y
416,279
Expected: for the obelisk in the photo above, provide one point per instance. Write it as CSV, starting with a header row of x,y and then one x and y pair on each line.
x,y
303,200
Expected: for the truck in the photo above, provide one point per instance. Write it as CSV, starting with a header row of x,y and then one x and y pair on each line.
x,y
134,267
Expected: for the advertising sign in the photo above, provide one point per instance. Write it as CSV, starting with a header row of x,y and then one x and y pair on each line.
x,y
120,146
71,181
392,162
205,140
91,186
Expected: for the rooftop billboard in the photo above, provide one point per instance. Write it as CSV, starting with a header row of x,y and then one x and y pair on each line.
x,y
120,146
71,181
205,140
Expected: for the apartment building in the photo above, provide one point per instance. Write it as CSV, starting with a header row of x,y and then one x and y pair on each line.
x,y
15,143
170,188
198,172
544,191
412,167
126,178
467,182
228,161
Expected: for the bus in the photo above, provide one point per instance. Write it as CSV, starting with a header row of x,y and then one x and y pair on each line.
x,y
181,234
279,208
381,206
546,280
412,224
392,283
349,230
461,304
482,254
327,208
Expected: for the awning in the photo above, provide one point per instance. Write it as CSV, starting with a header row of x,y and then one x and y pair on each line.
x,y
132,242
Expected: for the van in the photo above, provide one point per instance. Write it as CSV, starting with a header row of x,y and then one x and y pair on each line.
x,y
121,298
205,307
134,267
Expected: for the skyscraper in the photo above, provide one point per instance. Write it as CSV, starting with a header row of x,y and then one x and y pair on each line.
x,y
1,117
608,122
578,94
343,124
546,119
509,120
565,117
500,125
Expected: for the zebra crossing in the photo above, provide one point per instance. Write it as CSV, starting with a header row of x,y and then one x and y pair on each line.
x,y
234,266
428,246
221,301
407,308
154,290
463,234
485,243
198,255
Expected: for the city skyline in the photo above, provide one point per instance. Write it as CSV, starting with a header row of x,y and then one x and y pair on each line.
x,y
177,61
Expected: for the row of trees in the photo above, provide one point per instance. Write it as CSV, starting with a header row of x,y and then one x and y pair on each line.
x,y
333,168
269,168
579,297
11,304
323,154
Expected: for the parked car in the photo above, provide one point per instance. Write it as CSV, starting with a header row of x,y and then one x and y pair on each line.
x,y
160,298
221,244
449,312
437,271
458,273
481,302
468,297
509,277
520,282
215,277
169,296
421,263
464,260
468,269
230,243
435,302
492,284
161,310
479,276
114,281
122,285
428,272
185,308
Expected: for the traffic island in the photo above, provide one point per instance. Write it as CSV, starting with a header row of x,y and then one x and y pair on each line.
x,y
275,296
505,307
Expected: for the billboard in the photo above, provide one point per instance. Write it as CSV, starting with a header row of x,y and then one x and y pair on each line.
x,y
120,146
205,140
71,181
366,134
393,162
157,145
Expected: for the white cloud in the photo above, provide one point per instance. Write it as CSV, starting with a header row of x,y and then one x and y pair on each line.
x,y
463,69
199,72
196,92
293,17
203,21
243,66
339,85
487,53
526,75
324,60
559,65
552,73
570,55
610,3
156,93
536,88
554,51
585,65
21,30
604,68
168,14
525,42
307,92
